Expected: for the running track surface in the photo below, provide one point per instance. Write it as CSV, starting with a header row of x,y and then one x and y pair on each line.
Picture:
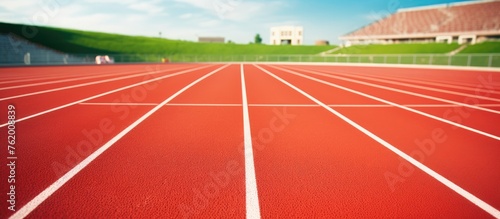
x,y
250,141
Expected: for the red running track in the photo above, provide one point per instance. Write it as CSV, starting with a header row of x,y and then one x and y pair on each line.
x,y
169,141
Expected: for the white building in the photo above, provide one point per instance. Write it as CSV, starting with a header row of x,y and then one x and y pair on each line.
x,y
287,35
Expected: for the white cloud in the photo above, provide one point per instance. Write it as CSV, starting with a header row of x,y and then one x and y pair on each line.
x,y
32,11
209,23
186,16
121,2
246,11
150,7
18,5
237,20
197,3
235,10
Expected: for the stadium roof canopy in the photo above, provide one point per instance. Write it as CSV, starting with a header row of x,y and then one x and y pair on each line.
x,y
471,20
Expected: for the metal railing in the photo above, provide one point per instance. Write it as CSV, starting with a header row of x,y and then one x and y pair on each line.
x,y
477,60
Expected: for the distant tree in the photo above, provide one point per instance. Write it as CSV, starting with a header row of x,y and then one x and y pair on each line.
x,y
230,42
258,39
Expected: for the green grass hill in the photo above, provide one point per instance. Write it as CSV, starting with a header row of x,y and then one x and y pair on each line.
x,y
80,42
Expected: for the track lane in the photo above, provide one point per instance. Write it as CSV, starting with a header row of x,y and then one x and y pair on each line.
x,y
221,88
298,163
318,166
24,88
386,94
55,143
483,89
470,165
35,106
37,73
400,75
48,146
167,171
162,174
460,77
385,91
150,93
256,95
48,88
455,114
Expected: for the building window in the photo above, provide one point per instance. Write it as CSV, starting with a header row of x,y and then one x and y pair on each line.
x,y
300,33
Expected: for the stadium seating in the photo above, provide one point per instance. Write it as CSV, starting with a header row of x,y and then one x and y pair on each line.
x,y
13,50
444,19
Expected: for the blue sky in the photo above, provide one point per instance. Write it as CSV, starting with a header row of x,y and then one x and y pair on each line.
x,y
236,20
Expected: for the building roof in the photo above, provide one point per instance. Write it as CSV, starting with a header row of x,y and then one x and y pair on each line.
x,y
211,39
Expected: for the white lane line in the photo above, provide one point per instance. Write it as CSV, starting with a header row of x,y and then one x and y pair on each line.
x,y
394,104
475,200
400,91
38,78
30,206
59,75
447,105
448,84
252,196
408,105
408,85
282,105
69,79
103,94
83,85
369,105
169,104
204,104
468,87
119,104
455,85
287,105
83,78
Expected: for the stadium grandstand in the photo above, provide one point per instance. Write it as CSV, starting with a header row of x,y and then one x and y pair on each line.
x,y
15,50
464,22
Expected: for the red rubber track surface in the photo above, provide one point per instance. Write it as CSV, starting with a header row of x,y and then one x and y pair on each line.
x,y
187,160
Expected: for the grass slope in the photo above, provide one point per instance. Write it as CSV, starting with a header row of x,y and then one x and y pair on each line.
x,y
76,41
427,48
485,47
